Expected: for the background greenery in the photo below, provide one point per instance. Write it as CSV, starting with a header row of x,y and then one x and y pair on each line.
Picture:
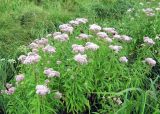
x,y
22,21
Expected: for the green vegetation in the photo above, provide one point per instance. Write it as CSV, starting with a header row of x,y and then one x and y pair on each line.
x,y
104,84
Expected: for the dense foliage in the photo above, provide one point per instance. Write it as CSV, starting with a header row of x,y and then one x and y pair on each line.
x,y
107,63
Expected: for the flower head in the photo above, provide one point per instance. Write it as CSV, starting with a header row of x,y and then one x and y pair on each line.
x,y
82,59
91,46
116,48
49,72
42,90
30,58
20,77
108,40
49,49
148,41
110,30
123,59
67,28
78,48
95,28
126,38
150,61
82,20
10,90
102,35
62,37
118,37
84,36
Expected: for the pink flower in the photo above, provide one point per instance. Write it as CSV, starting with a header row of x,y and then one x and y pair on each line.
x,y
126,38
31,58
108,40
123,59
82,59
150,61
49,49
51,73
67,28
56,33
118,37
94,28
74,23
42,90
33,45
22,58
84,36
110,30
91,46
102,35
116,48
82,20
35,50
62,37
148,40
20,77
41,42
78,21
10,90
78,48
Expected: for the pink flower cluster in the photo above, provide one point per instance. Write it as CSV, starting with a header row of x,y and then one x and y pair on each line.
x,y
56,33
9,89
150,62
49,49
110,30
102,35
126,38
42,90
84,36
66,28
78,21
78,48
148,41
82,59
38,43
123,59
49,72
91,46
117,36
31,58
95,28
19,77
61,37
115,48
108,40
